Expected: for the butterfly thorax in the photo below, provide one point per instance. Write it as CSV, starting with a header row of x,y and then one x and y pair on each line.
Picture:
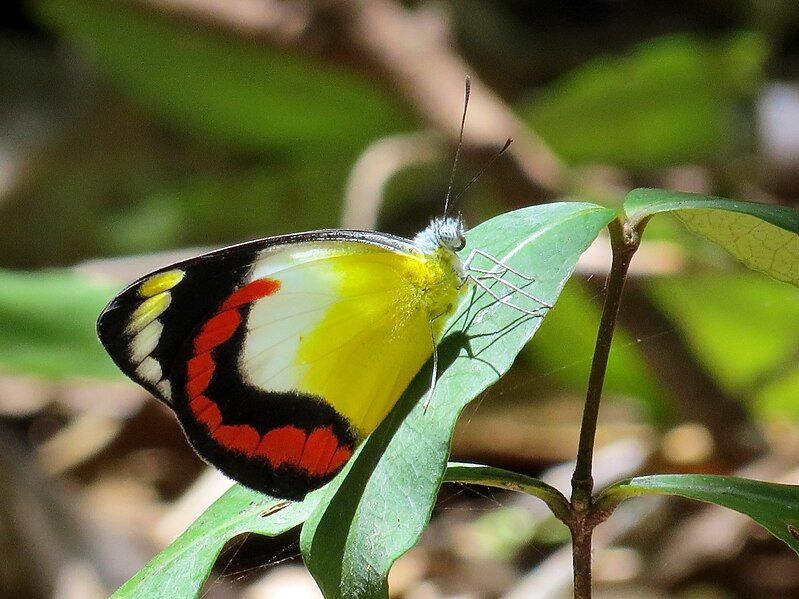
x,y
439,281
436,284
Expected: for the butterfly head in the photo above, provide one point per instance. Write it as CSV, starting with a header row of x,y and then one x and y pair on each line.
x,y
444,232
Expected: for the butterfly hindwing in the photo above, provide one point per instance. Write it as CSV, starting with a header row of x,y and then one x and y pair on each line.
x,y
280,355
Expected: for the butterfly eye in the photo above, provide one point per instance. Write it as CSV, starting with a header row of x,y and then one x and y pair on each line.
x,y
451,237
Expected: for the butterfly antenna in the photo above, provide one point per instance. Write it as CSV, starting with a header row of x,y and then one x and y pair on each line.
x,y
460,143
484,169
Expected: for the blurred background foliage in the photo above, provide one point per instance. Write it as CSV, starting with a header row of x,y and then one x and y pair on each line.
x,y
131,131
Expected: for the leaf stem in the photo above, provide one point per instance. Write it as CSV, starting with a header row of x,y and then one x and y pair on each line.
x,y
624,239
504,479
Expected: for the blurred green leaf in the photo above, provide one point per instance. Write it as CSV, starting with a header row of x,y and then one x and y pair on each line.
x,y
743,328
219,206
762,236
773,506
47,324
127,187
376,510
288,129
671,100
564,345
778,398
180,570
245,94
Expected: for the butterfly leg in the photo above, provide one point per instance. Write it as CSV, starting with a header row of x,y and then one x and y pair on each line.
x,y
514,289
503,268
495,275
434,376
503,299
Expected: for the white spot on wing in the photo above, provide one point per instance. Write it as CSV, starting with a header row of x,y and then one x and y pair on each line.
x,y
165,389
149,370
144,342
308,287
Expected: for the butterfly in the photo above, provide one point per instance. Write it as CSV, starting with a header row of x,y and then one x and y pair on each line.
x,y
279,356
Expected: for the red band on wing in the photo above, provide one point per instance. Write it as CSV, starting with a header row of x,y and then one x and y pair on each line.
x,y
199,383
251,292
199,364
238,437
282,446
343,453
317,454
205,411
216,331
199,371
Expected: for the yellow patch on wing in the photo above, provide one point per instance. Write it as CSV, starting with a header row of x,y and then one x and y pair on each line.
x,y
378,334
160,283
148,311
351,324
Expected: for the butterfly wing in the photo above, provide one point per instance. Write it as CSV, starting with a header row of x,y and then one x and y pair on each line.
x,y
279,356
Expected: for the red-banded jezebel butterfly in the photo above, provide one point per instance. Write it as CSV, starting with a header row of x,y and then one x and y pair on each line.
x,y
279,356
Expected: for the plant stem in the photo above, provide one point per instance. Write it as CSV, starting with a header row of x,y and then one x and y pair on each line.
x,y
624,241
581,559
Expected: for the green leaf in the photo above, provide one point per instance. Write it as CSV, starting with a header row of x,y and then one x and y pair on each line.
x,y
773,506
762,236
259,197
778,399
245,94
671,100
376,510
181,569
47,325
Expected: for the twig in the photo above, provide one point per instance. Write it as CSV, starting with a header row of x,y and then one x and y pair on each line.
x,y
413,50
624,243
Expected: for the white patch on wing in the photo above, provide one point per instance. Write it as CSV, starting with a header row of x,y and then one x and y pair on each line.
x,y
144,342
277,322
165,389
149,370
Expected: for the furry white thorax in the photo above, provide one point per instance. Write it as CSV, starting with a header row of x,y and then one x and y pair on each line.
x,y
442,232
